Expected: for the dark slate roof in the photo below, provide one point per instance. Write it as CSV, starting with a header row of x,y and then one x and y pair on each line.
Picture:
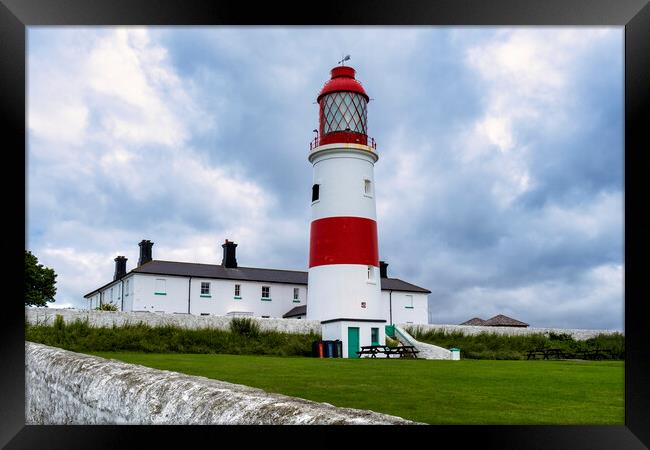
x,y
395,284
474,321
504,321
297,311
156,267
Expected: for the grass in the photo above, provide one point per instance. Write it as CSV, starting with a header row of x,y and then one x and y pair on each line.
x,y
244,337
495,346
434,392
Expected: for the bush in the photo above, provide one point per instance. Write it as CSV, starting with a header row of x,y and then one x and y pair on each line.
x,y
244,326
496,346
107,307
390,342
140,337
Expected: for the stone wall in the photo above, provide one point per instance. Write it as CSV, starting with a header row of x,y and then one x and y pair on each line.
x,y
64,387
108,318
469,330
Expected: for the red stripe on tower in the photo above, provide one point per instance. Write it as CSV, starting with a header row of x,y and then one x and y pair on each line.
x,y
343,240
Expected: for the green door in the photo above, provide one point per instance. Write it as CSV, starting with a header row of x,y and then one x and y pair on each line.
x,y
353,342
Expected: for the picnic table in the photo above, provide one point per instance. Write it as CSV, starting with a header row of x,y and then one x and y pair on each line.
x,y
402,351
546,353
558,353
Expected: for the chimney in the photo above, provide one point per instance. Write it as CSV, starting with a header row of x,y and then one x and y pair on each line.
x,y
120,267
383,269
145,251
229,260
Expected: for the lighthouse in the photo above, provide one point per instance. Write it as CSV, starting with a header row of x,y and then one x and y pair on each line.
x,y
344,280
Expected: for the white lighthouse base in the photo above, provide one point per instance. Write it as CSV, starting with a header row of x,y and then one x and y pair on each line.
x,y
354,333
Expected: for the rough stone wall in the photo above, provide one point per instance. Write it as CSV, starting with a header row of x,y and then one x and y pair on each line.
x,y
64,387
108,318
470,330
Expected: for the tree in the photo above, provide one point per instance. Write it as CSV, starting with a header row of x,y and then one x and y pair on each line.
x,y
40,282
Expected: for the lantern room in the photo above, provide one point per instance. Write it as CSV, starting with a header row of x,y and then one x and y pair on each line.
x,y
343,105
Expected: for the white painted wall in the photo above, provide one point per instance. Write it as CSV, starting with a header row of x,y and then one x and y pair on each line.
x,y
222,299
337,290
146,299
339,330
141,297
417,315
341,172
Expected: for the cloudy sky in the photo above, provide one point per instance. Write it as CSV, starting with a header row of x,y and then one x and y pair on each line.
x,y
499,184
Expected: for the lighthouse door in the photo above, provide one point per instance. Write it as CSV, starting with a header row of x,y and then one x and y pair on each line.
x,y
353,342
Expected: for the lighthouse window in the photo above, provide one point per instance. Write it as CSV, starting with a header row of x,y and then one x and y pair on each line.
x,y
344,111
367,187
315,191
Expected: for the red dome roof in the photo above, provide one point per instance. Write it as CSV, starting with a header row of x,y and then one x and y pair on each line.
x,y
342,80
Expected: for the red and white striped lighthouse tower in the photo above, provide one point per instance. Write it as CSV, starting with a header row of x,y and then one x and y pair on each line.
x,y
344,281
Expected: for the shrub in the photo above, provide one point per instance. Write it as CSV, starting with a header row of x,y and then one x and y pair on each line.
x,y
496,346
140,337
392,342
107,307
244,326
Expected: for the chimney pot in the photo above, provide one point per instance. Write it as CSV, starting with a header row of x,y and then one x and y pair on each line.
x,y
145,251
383,269
229,258
120,267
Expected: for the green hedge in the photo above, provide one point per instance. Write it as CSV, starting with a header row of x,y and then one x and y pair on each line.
x,y
494,346
243,338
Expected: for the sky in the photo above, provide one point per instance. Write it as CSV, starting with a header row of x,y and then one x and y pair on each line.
x,y
499,184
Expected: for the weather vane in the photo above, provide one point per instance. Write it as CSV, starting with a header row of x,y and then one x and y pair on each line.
x,y
346,58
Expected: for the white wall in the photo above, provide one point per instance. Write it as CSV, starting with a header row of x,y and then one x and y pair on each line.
x,y
141,297
145,298
339,330
417,315
221,300
337,291
341,178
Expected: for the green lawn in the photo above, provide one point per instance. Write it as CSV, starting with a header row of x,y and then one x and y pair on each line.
x,y
435,392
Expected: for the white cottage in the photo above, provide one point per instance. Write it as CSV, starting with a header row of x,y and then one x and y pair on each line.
x,y
227,289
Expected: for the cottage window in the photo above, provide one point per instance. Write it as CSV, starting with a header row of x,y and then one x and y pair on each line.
x,y
160,287
126,288
237,291
266,292
205,288
409,301
296,294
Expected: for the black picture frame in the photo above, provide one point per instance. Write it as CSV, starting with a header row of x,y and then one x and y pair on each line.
x,y
634,15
